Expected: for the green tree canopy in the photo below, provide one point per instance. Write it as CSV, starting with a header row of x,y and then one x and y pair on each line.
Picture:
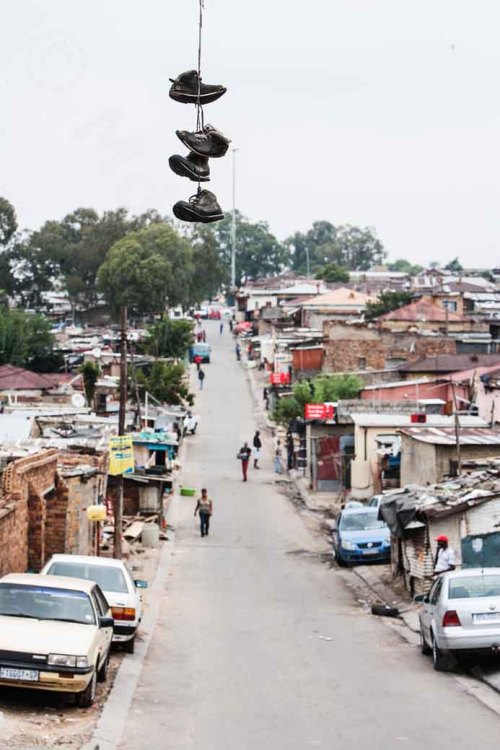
x,y
404,266
354,248
387,302
90,374
170,338
148,269
26,341
454,266
167,383
8,221
258,252
320,390
332,273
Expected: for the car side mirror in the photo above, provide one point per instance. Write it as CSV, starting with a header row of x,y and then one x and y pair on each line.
x,y
420,598
140,584
106,622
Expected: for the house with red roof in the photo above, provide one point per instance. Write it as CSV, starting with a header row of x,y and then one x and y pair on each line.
x,y
425,314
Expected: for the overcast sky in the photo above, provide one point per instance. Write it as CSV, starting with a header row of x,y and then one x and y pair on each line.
x,y
372,112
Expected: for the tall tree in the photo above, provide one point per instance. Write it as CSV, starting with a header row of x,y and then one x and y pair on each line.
x,y
27,341
404,266
331,273
454,266
148,270
387,302
8,221
170,338
258,252
354,248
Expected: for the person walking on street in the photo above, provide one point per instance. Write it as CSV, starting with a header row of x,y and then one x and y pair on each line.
x,y
197,361
257,445
221,328
445,556
204,507
244,456
278,466
201,378
237,349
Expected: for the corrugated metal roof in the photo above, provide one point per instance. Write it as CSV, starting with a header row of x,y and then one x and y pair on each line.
x,y
446,435
372,419
423,311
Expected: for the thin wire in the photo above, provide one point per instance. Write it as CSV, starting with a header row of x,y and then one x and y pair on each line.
x,y
200,120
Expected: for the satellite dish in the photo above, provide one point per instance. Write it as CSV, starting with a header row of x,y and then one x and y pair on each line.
x,y
78,400
97,353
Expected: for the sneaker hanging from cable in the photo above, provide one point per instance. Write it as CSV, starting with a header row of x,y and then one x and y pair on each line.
x,y
206,142
193,166
202,207
185,87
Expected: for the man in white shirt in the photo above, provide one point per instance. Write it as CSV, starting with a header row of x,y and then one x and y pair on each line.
x,y
445,556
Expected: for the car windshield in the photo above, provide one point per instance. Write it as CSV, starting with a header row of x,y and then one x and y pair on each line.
x,y
361,522
43,603
108,578
470,587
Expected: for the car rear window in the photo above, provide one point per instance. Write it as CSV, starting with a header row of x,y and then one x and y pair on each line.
x,y
109,579
469,587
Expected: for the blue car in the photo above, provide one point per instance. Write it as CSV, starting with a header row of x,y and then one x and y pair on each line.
x,y
360,537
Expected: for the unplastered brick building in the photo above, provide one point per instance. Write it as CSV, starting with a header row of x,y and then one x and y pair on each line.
x,y
43,502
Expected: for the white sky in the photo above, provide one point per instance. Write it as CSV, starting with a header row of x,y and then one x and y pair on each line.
x,y
372,112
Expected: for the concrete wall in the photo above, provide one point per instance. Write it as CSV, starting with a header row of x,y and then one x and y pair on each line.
x,y
364,467
418,462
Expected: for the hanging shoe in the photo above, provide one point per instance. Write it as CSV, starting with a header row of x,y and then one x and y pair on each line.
x,y
193,166
184,89
206,142
201,207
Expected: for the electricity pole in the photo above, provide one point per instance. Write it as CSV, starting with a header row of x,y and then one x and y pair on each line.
x,y
233,227
117,547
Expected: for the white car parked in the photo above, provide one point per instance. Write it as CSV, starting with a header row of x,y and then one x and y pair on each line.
x,y
55,634
117,584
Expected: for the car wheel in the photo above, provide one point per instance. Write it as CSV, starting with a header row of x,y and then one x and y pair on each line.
x,y
424,648
439,660
383,610
129,646
102,674
86,698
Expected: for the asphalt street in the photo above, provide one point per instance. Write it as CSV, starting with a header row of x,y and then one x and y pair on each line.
x,y
261,647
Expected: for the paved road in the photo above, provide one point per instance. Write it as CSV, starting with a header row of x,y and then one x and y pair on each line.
x,y
262,648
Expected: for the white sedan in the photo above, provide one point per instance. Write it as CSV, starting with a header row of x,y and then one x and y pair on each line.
x,y
55,634
461,615
119,588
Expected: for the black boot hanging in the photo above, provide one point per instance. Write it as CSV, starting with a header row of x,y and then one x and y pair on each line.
x,y
205,143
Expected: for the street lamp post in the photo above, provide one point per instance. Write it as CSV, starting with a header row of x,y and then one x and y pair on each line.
x,y
233,227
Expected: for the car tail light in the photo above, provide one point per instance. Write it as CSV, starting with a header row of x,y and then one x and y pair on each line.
x,y
123,613
451,619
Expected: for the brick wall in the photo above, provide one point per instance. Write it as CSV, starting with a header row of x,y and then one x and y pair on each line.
x,y
349,348
43,507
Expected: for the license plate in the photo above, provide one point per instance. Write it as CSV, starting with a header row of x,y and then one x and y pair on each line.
x,y
26,675
370,551
486,617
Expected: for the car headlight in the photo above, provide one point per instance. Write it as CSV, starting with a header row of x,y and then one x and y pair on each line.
x,y
346,544
387,541
61,660
82,662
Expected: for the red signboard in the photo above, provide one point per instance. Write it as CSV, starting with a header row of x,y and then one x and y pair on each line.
x,y
279,378
319,411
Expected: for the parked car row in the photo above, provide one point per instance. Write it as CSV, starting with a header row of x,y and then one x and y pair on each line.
x,y
57,627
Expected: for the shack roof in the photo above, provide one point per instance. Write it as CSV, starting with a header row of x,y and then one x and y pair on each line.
x,y
450,362
422,311
17,379
446,435
373,419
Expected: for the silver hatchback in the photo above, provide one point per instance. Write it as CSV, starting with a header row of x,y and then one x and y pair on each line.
x,y
461,615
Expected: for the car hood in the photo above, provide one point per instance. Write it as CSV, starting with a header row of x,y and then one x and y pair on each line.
x,y
370,535
45,636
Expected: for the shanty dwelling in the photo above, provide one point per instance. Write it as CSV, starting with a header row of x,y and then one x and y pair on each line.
x,y
377,435
429,453
468,515
330,447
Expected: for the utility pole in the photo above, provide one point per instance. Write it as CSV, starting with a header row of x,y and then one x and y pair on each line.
x,y
457,432
117,549
233,228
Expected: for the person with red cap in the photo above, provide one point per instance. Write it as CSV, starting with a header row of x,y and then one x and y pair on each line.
x,y
445,556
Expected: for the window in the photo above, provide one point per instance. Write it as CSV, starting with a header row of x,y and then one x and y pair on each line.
x,y
435,591
450,305
361,363
100,600
109,578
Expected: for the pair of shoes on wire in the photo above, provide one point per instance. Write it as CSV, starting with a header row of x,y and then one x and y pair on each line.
x,y
203,145
189,89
